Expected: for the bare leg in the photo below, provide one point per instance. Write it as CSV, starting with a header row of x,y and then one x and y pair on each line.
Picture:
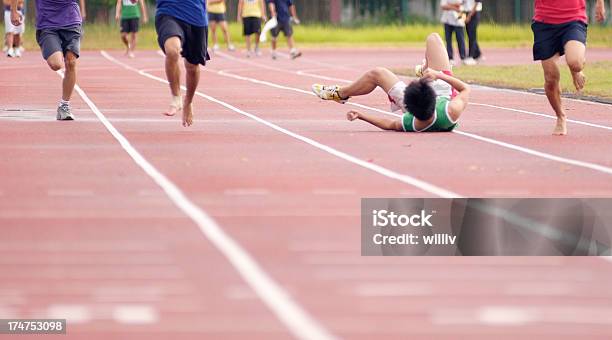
x,y
368,83
213,32
193,78
247,39
70,74
9,40
436,55
575,56
17,41
132,44
290,42
172,48
274,43
228,39
553,93
124,39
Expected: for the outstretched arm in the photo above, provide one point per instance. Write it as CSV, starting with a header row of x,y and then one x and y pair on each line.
x,y
382,123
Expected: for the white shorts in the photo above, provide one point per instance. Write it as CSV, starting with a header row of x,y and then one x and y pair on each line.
x,y
396,94
9,27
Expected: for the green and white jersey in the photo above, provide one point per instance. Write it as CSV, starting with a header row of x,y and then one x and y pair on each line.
x,y
130,9
442,121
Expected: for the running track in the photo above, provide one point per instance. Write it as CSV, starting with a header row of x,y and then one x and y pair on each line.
x,y
247,224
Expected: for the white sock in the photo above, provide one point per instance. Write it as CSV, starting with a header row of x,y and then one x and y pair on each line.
x,y
64,102
293,50
177,101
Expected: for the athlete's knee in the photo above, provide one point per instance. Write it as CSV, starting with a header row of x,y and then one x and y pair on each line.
x,y
575,64
434,37
55,62
191,68
70,61
173,51
377,72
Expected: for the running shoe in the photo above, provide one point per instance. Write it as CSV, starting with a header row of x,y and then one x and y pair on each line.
x,y
419,69
295,54
258,52
328,93
10,53
274,56
231,48
17,53
215,47
469,61
64,112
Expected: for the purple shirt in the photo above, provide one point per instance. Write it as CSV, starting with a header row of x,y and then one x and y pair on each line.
x,y
57,14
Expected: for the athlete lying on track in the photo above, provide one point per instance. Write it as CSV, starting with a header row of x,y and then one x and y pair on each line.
x,y
432,103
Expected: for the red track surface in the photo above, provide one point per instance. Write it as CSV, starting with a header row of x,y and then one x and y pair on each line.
x,y
88,235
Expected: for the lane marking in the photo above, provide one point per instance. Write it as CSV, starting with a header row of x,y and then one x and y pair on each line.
x,y
74,314
135,314
537,114
246,192
532,152
417,183
297,321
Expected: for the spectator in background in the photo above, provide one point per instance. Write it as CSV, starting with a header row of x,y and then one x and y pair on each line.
x,y
216,17
284,11
473,8
129,12
251,12
12,33
453,19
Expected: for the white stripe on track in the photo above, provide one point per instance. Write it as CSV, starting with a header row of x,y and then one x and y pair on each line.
x,y
297,321
532,152
417,183
537,114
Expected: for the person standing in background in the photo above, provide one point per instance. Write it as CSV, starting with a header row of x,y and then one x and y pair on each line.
x,y
251,12
454,22
13,33
284,11
129,13
473,7
216,17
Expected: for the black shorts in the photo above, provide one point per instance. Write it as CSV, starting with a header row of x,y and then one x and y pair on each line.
x,y
130,25
251,25
549,39
285,27
64,39
216,17
194,39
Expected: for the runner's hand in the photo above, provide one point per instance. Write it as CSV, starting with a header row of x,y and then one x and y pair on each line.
x,y
430,74
296,20
16,18
352,115
145,20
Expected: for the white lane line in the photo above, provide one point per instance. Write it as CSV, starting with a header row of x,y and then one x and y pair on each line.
x,y
417,183
551,157
599,126
246,192
135,314
72,313
297,321
537,114
569,161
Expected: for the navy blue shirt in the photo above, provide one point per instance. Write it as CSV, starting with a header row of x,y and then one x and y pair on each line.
x,y
192,12
282,9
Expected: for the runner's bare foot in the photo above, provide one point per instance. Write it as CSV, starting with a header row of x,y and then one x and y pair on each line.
x,y
175,106
579,81
561,127
187,115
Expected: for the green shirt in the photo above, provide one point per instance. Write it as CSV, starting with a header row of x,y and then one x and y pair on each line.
x,y
442,121
130,9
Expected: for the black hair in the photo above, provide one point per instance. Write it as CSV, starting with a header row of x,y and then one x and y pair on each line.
x,y
420,99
